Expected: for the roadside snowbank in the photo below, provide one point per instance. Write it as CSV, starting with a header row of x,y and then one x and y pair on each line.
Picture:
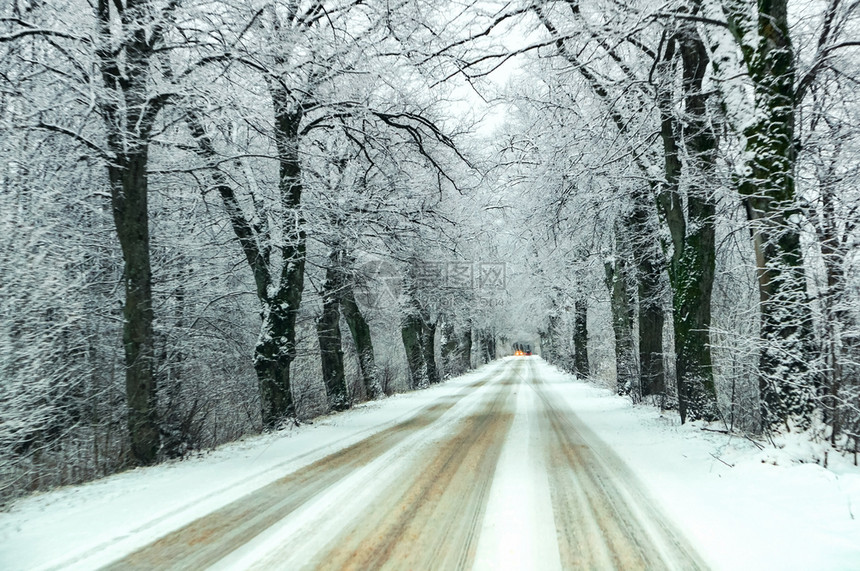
x,y
740,507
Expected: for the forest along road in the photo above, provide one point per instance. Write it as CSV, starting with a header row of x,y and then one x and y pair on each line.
x,y
500,475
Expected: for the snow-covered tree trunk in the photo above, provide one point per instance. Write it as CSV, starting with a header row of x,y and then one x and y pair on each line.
x,y
276,348
448,349
693,250
411,331
360,331
428,349
649,277
621,302
487,340
580,339
330,342
767,187
455,348
465,347
694,269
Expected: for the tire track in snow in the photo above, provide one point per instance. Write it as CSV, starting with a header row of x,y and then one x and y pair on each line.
x,y
208,539
433,517
604,520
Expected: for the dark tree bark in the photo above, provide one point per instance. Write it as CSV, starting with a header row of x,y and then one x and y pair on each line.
x,y
487,340
464,347
692,259
129,198
448,350
360,331
456,349
621,303
580,339
177,421
129,114
694,273
649,272
410,330
331,344
786,381
428,349
276,348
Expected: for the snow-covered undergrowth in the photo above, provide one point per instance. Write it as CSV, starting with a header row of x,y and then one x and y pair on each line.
x,y
741,506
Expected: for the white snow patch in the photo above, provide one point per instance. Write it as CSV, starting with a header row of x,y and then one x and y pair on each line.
x,y
519,530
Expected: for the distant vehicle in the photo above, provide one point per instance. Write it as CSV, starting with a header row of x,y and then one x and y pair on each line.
x,y
522,349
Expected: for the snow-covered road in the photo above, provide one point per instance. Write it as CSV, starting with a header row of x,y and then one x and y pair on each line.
x,y
498,469
496,472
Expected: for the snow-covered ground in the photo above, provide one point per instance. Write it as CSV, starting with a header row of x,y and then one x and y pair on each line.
x,y
740,507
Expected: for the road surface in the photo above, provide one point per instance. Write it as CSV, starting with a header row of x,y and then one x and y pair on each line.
x,y
500,475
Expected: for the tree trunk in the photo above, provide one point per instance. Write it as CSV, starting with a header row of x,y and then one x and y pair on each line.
x,y
580,339
272,365
276,348
487,340
694,277
464,347
691,266
649,270
621,303
410,330
448,350
428,349
786,380
838,326
331,347
129,189
360,331
549,340
129,114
